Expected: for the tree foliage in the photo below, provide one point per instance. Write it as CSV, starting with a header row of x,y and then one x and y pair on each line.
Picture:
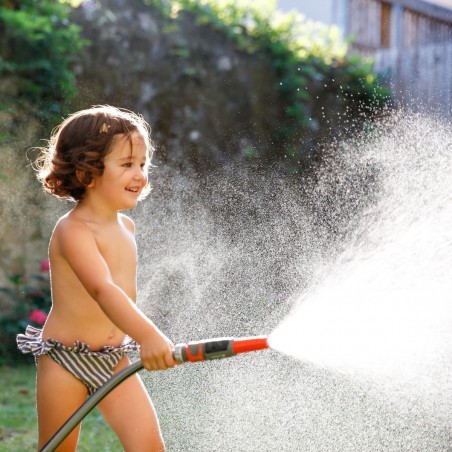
x,y
37,46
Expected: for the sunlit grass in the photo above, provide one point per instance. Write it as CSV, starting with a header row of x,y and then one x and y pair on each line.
x,y
18,427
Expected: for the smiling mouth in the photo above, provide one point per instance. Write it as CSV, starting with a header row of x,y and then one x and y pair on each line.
x,y
133,189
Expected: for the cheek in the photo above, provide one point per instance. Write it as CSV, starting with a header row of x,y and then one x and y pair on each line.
x,y
111,179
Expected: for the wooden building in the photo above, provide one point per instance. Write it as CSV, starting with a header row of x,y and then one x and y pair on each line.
x,y
410,42
376,24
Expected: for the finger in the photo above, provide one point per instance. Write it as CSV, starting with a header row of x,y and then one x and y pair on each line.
x,y
169,359
149,364
161,363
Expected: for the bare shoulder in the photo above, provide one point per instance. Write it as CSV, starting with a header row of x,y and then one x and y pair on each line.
x,y
70,224
71,231
128,222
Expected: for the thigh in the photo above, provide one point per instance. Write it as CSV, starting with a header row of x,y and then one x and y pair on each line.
x,y
58,395
129,411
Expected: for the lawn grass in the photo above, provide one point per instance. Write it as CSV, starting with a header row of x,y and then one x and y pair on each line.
x,y
18,428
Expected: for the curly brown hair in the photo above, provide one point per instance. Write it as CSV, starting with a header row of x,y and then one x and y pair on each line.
x,y
78,146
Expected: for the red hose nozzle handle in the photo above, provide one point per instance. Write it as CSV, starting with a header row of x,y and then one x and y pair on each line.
x,y
218,348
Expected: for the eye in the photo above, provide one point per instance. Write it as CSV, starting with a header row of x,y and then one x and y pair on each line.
x,y
127,165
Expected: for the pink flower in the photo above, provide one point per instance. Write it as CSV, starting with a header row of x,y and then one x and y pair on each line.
x,y
45,266
37,316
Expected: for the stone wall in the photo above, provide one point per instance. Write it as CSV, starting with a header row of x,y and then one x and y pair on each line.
x,y
206,100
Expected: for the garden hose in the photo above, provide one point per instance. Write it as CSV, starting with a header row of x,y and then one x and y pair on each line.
x,y
204,350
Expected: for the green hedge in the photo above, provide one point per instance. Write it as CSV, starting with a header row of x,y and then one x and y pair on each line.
x,y
37,46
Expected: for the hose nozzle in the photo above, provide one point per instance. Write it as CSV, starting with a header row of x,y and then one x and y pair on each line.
x,y
218,348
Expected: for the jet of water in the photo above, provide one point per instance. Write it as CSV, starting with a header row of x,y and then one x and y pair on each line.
x,y
385,308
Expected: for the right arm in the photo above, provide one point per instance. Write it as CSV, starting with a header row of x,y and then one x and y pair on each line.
x,y
78,246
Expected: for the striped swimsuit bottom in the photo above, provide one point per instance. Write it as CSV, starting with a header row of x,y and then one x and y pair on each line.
x,y
93,369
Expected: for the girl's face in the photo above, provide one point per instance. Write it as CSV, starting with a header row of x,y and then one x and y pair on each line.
x,y
125,173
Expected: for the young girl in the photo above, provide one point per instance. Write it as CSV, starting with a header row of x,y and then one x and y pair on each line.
x,y
99,158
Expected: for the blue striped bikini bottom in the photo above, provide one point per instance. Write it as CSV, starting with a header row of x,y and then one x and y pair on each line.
x,y
93,369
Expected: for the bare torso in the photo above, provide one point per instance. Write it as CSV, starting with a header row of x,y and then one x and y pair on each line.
x,y
75,314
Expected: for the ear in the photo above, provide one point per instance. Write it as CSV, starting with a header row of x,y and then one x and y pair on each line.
x,y
81,177
92,183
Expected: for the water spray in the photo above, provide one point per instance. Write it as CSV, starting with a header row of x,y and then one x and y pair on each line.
x,y
204,350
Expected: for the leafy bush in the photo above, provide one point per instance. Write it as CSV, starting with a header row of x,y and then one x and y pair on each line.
x,y
27,303
37,46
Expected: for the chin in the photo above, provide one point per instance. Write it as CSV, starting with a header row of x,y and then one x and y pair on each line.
x,y
126,205
130,206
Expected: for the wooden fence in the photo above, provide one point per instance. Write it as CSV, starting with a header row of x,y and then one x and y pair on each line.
x,y
377,24
411,43
420,77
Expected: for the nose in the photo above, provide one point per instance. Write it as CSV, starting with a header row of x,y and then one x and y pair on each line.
x,y
140,175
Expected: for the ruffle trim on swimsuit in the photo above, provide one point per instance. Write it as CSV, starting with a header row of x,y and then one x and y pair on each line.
x,y
32,342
